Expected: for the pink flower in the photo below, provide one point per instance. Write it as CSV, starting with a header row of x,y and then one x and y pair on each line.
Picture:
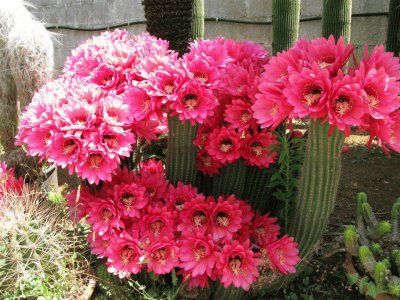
x,y
195,216
8,183
130,197
379,59
155,184
162,256
202,135
223,145
246,209
97,167
156,223
124,257
65,150
103,216
99,246
199,69
257,149
226,218
194,103
329,54
106,76
140,104
177,197
197,253
206,164
308,92
264,229
346,107
240,115
281,254
166,83
238,265
115,111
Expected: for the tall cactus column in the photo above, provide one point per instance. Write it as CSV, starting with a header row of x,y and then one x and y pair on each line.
x,y
320,174
177,21
393,39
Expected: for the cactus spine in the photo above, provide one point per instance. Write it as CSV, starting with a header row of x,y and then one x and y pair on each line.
x,y
392,40
350,240
381,229
198,19
320,174
367,259
395,220
380,277
285,20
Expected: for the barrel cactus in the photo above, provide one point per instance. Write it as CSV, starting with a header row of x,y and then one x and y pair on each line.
x,y
26,61
373,249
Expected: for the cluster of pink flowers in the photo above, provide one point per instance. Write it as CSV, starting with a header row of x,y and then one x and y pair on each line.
x,y
8,182
230,70
315,79
139,221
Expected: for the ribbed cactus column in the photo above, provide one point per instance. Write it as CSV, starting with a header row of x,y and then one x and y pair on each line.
x,y
198,19
393,40
231,180
285,22
336,18
320,174
318,185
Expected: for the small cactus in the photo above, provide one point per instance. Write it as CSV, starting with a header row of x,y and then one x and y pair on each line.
x,y
350,240
376,241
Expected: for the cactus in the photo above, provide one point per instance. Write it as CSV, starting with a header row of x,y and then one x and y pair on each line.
x,y
285,18
380,276
336,18
392,40
350,240
367,259
395,220
381,229
26,61
385,273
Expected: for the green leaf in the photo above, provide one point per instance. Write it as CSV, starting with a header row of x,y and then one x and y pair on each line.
x,y
174,278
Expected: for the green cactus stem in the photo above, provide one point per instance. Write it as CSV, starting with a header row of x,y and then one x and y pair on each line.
x,y
376,249
318,185
231,180
368,215
394,286
392,39
198,19
336,18
395,220
350,240
381,229
257,191
285,21
361,198
367,259
380,276
395,259
181,154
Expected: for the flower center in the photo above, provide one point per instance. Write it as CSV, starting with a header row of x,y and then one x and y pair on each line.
x,y
235,264
342,105
326,61
274,109
151,191
127,254
156,227
69,146
201,76
207,161
95,160
200,252
245,117
372,97
199,218
169,88
226,145
191,101
106,215
256,148
110,140
179,204
260,231
312,95
127,200
146,103
222,219
106,79
160,255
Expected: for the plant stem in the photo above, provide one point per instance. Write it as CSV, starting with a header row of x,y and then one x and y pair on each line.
x,y
285,20
318,185
336,19
392,40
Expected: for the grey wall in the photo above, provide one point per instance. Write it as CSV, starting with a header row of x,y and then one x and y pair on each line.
x,y
369,29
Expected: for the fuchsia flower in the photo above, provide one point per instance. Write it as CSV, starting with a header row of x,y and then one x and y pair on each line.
x,y
103,216
130,197
195,216
379,59
202,71
97,167
238,265
264,229
281,254
198,254
207,164
226,218
240,115
257,149
140,104
223,145
8,183
66,150
124,257
156,223
106,76
181,194
162,256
